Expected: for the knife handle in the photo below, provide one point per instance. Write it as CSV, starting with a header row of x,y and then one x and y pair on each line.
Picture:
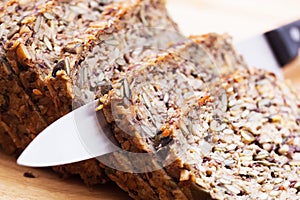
x,y
285,42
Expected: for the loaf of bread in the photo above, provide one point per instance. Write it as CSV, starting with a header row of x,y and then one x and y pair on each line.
x,y
56,54
193,121
47,43
191,129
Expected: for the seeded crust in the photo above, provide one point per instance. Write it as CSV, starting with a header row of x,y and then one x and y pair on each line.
x,y
240,143
52,46
18,113
90,171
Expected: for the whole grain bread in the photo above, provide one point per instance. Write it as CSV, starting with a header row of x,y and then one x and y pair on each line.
x,y
234,137
47,42
57,54
221,130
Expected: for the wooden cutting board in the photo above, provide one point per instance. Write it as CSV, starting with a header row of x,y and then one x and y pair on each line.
x,y
239,18
47,185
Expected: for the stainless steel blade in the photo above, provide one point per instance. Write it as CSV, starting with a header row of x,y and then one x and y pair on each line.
x,y
79,135
257,53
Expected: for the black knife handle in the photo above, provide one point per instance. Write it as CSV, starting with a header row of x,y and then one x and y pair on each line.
x,y
285,42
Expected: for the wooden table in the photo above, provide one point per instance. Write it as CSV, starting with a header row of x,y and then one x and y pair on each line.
x,y
239,18
47,185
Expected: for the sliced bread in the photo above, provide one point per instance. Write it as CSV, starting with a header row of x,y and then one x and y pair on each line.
x,y
234,137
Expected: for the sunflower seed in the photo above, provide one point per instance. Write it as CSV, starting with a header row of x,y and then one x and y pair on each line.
x,y
2,28
112,42
296,156
121,90
132,84
247,136
127,91
184,129
48,16
234,189
215,126
267,146
12,31
78,10
225,181
297,185
147,131
284,149
37,23
228,163
120,61
274,193
261,155
166,98
146,100
67,65
228,131
278,180
48,43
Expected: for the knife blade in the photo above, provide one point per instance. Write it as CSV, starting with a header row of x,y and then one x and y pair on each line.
x,y
273,49
82,135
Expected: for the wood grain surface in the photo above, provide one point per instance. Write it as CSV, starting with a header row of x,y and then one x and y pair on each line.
x,y
239,18
47,185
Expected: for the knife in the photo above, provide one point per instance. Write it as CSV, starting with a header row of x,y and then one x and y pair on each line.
x,y
272,50
83,133
79,135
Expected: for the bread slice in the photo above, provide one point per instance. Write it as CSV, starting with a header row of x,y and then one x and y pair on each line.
x,y
52,46
191,131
